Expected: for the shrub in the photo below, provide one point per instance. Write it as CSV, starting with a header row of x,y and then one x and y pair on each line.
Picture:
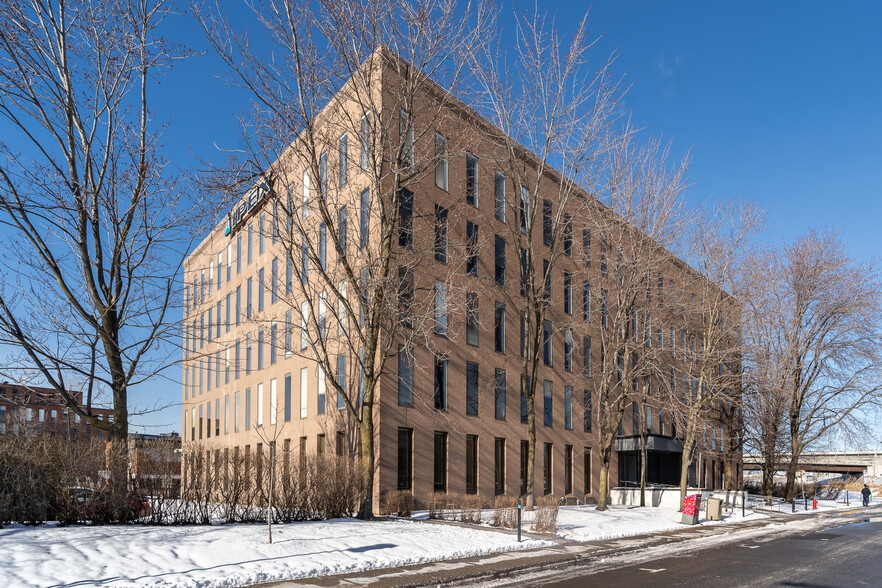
x,y
399,502
451,507
545,519
505,512
471,509
435,502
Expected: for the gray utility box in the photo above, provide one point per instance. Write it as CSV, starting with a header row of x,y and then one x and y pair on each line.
x,y
714,509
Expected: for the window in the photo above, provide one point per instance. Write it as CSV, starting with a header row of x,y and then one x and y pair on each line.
x,y
322,315
603,266
471,318
440,383
471,248
275,221
635,418
260,348
440,462
405,458
405,376
440,234
248,298
288,329
499,196
405,296
250,241
341,381
247,409
405,132
323,245
524,266
261,285
471,464
273,340
604,315
525,387
236,412
648,420
260,405
236,358
568,292
499,261
546,342
499,466
586,410
499,328
548,389
471,388
287,397
304,390
305,205
440,161
261,233
321,392
499,394
673,342
586,355
568,350
546,280
229,295
546,222
405,219
471,180
238,303
440,307
525,460
226,366
210,322
344,159
304,261
342,320
546,467
661,422
568,408
238,255
304,322
568,235
524,209
274,402
210,275
364,220
323,175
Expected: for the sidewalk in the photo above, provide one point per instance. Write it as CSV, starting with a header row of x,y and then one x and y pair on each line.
x,y
564,553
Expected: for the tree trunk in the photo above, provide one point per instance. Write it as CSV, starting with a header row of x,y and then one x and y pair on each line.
x,y
531,457
366,432
269,509
603,483
643,453
768,476
790,485
688,453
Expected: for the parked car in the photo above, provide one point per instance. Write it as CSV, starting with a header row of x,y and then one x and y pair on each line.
x,y
96,506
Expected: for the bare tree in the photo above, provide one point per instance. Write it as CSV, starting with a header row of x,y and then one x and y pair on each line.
x,y
86,197
344,119
553,109
719,240
822,310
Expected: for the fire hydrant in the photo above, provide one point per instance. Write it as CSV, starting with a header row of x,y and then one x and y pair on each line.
x,y
814,504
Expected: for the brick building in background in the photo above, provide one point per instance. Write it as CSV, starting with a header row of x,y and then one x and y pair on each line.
x,y
449,412
35,410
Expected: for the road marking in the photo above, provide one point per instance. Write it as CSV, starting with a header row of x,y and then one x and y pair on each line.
x,y
751,546
652,571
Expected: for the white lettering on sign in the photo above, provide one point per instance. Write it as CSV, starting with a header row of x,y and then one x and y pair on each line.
x,y
246,205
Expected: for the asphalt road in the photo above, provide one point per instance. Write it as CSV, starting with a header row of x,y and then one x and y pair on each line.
x,y
844,556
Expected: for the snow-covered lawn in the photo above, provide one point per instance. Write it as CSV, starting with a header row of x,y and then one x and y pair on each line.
x,y
230,555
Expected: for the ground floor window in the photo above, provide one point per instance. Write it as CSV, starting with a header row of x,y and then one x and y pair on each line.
x,y
471,464
546,467
568,469
587,472
405,458
440,461
499,469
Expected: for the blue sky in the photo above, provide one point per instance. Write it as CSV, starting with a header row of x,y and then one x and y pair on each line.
x,y
779,103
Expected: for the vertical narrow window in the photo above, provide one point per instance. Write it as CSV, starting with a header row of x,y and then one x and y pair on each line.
x,y
275,220
525,460
603,266
274,402
568,292
471,388
547,222
304,322
471,248
227,322
260,348
499,328
288,329
471,180
405,132
274,281
586,355
440,307
304,210
525,387
471,481
247,409
304,391
586,410
322,315
250,242
440,462
547,406
210,275
546,343
248,298
364,219
586,246
247,354
524,267
238,303
405,458
320,391
499,261
273,342
341,381
210,323
472,318
604,310
236,412
238,253
568,350
499,196
323,175
405,219
261,233
546,280
546,468
499,394
440,161
236,359
587,471
586,301
440,383
405,296
568,408
365,141
568,235
673,342
289,274
499,466
635,418
287,397
648,420
323,245
342,226
440,234
524,209
661,424
405,376
227,365
568,469
342,320
344,160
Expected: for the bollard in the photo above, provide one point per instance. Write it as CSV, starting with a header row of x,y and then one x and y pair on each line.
x,y
792,505
846,498
519,519
743,502
805,500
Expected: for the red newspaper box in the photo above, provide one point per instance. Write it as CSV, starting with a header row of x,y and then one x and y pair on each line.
x,y
691,508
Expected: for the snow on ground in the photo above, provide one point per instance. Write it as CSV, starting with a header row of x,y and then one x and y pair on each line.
x,y
231,555
585,523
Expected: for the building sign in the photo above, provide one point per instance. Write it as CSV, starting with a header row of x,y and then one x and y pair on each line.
x,y
246,205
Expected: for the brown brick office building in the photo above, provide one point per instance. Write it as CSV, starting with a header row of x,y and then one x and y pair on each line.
x,y
449,414
41,411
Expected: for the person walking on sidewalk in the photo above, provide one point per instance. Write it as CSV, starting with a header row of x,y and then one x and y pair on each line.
x,y
866,494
